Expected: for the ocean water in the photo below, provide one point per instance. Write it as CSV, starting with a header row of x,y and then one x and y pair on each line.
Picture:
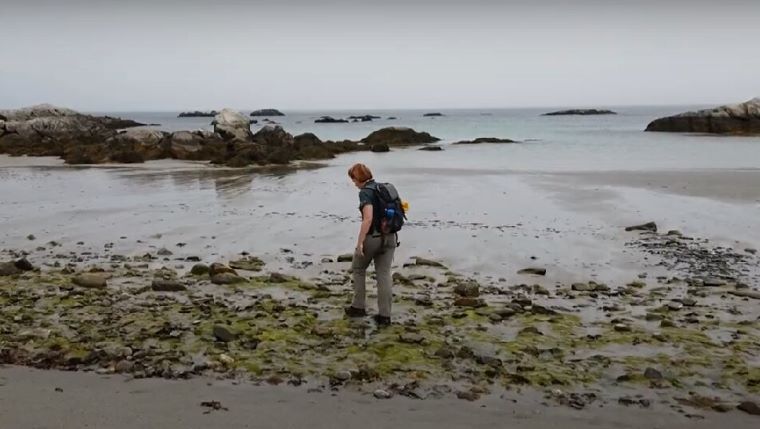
x,y
551,143
560,199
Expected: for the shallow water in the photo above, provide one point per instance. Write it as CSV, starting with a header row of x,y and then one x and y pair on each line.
x,y
560,202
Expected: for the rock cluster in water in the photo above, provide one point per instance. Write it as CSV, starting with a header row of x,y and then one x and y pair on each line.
x,y
84,139
581,112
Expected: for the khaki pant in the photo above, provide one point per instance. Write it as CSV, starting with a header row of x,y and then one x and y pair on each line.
x,y
382,254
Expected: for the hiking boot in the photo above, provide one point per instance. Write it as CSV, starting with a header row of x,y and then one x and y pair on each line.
x,y
382,320
355,312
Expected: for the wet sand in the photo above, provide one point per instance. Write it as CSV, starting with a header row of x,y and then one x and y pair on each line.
x,y
62,400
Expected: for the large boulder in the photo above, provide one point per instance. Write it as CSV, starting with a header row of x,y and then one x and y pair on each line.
x,y
742,118
144,143
273,135
398,136
232,125
196,145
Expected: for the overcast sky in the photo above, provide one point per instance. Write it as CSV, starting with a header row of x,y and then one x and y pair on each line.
x,y
188,54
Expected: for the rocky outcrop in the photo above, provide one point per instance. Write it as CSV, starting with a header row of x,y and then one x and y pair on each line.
x,y
267,112
198,114
399,136
742,118
364,118
581,112
432,114
329,120
46,130
480,140
84,139
232,125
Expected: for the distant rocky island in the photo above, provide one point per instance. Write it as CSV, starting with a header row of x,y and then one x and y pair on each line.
x,y
480,140
198,114
78,138
432,115
582,112
267,112
742,118
329,120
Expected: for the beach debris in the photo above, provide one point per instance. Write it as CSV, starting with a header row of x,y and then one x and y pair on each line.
x,y
649,226
213,406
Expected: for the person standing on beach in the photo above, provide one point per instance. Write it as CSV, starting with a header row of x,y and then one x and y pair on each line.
x,y
374,243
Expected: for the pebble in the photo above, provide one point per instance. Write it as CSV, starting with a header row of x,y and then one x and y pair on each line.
x,y
622,327
382,394
343,375
675,305
652,374
533,270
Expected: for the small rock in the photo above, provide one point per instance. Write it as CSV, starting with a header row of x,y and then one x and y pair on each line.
x,y
649,226
199,269
469,302
278,278
343,375
164,252
8,269
751,251
124,366
444,353
411,338
226,279
428,263
31,237
223,333
226,360
622,327
468,395
689,302
533,270
581,287
675,305
749,408
91,280
346,258
495,317
675,233
469,289
23,265
652,374
219,268
161,285
530,330
381,394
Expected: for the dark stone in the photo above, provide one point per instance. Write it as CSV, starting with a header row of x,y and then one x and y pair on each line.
x,y
346,258
649,226
652,374
23,264
469,302
223,333
226,279
278,278
161,285
199,269
9,269
749,408
533,270
468,289
432,114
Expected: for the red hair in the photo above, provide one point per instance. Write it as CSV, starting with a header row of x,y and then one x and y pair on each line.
x,y
360,173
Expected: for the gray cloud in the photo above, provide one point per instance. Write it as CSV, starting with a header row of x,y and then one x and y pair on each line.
x,y
108,55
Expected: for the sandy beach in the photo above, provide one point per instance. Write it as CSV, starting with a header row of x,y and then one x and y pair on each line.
x,y
58,400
